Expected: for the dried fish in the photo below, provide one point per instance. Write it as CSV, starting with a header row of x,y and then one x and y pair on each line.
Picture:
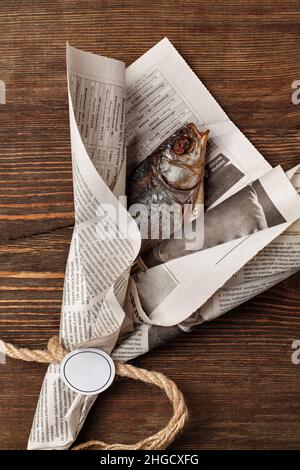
x,y
168,181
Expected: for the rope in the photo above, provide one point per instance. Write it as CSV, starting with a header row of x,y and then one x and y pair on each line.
x,y
161,440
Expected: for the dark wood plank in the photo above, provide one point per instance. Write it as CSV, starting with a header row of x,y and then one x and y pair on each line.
x,y
242,389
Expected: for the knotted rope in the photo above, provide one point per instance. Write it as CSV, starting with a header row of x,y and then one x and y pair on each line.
x,y
161,440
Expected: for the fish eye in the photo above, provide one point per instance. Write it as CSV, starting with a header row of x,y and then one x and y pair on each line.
x,y
182,145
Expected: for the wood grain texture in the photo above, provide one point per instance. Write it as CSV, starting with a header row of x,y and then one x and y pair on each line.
x,y
236,372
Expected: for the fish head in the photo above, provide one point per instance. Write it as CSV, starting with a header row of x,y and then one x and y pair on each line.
x,y
182,158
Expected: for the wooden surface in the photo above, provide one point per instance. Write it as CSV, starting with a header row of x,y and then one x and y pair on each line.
x,y
236,373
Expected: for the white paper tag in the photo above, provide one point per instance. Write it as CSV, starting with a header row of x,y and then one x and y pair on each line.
x,y
88,371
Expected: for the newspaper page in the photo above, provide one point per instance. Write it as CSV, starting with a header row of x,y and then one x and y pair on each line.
x,y
276,262
162,94
102,304
161,288
97,267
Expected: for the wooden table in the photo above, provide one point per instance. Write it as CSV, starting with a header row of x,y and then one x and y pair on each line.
x,y
241,387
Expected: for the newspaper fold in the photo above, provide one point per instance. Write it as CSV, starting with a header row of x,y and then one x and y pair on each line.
x,y
244,251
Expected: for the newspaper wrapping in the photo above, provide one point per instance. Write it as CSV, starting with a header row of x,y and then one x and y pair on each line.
x,y
243,252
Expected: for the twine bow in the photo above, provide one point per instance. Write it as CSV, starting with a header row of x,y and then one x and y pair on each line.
x,y
160,440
